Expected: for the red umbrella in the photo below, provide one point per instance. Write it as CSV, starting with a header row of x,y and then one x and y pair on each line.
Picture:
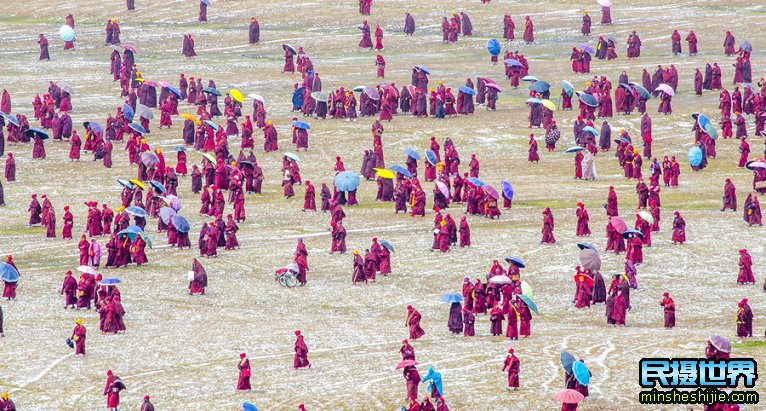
x,y
618,224
406,363
582,277
491,192
568,396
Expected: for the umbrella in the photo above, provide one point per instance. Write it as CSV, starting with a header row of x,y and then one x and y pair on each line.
x,y
8,273
526,289
746,46
646,216
246,406
117,47
644,93
382,172
159,186
589,129
626,86
178,148
257,97
146,239
695,156
628,233
166,213
540,86
388,245
180,223
36,132
346,181
126,184
493,86
702,119
500,279
623,140
286,47
127,111
85,269
513,63
110,281
137,127
533,101
590,259
493,47
574,149
136,211
137,183
236,95
720,343
11,119
173,90
205,2
475,181
191,118
711,131
401,170
566,359
757,163
146,113
412,153
581,373
570,396
604,3
528,301
95,127
583,246
549,105
508,189
66,33
359,89
586,48
292,156
588,99
618,224
516,261
423,69
132,229
568,87
406,363
301,125
443,188
246,163
579,278
451,298
431,157
211,124
467,90
530,78
129,47
212,90
173,202
66,87
491,192
666,89
150,159
319,95
208,157
372,93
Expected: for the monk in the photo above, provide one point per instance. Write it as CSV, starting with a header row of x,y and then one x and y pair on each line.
x,y
729,196
203,10
78,336
412,379
583,229
529,35
10,168
679,229
301,358
744,320
669,308
525,318
243,383
511,366
254,31
44,55
533,156
548,227
112,391
407,352
745,275
413,322
409,24
69,289
309,198
496,318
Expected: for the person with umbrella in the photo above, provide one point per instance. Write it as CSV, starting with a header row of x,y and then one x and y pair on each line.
x,y
512,366
412,380
669,310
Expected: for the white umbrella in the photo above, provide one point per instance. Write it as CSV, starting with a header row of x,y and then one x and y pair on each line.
x,y
85,269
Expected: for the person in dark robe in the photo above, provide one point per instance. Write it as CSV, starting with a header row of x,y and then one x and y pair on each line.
x,y
412,379
532,156
675,40
112,391
202,11
413,323
679,229
512,366
496,318
529,36
606,14
586,22
254,31
548,227
243,383
301,359
44,55
78,337
188,46
729,196
669,310
692,40
744,320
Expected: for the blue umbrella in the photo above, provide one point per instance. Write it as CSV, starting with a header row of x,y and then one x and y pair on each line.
x,y
591,130
132,229
166,213
246,406
181,224
127,111
623,140
581,373
573,149
137,127
11,119
211,90
566,359
533,101
174,91
475,181
206,2
746,46
136,211
35,132
586,48
451,298
568,87
513,63
126,184
528,301
388,245
302,125
540,86
431,157
493,47
150,159
423,69
529,78
347,181
516,261
359,89
412,153
710,130
292,156
467,90
588,99
628,233
644,93
583,246
95,127
508,189
110,281
66,33
211,124
695,156
159,186
8,273
702,120
179,148
626,86
401,170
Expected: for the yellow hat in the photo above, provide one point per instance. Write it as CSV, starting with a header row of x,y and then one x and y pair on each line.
x,y
431,89
234,163
587,83
585,12
635,151
78,321
356,252
143,140
4,396
269,122
442,223
158,150
622,130
441,82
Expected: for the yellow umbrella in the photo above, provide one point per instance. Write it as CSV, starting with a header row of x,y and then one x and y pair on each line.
x,y
209,158
138,183
191,118
384,173
549,105
236,95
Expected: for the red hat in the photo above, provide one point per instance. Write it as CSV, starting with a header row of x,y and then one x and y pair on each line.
x,y
146,398
66,208
665,294
510,351
405,342
229,216
374,239
242,355
69,272
212,224
409,307
332,223
297,332
99,277
109,372
308,182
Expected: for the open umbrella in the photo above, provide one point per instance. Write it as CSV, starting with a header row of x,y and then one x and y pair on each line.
x,y
516,261
319,96
146,239
618,224
540,86
292,156
173,202
720,343
359,89
528,301
475,181
493,47
757,163
191,118
526,289
629,233
401,170
36,132
236,95
150,159
587,99
208,157
178,148
212,90
529,78
746,46
467,90
423,69
257,97
110,281
666,89
451,298
406,363
136,211
137,183
644,93
95,127
711,131
66,33
646,216
604,3
443,189
626,86
211,124
583,246
346,181
695,156
568,87
589,129
166,213
372,93
388,245
138,128
129,47
431,157
85,269
117,47
145,112
246,406
491,192
507,189
159,186
301,125
533,101
8,273
623,140
11,119
127,111
581,373
173,90
586,48
286,47
574,149
500,279
590,259
412,153
549,105
180,223
383,173
513,63
66,88
492,86
579,278
126,184
566,359
569,396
